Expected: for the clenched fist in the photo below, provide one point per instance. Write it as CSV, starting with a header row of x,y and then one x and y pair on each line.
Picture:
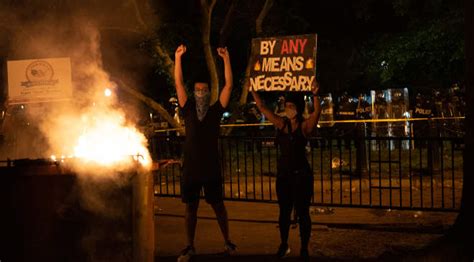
x,y
180,51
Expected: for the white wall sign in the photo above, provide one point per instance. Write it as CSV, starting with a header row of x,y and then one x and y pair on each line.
x,y
37,81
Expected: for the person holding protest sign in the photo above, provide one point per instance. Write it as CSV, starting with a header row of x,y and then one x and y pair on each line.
x,y
294,175
201,168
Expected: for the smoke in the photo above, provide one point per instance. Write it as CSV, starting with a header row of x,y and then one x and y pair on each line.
x,y
36,29
70,130
61,124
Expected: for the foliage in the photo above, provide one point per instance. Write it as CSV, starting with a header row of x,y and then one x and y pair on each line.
x,y
430,50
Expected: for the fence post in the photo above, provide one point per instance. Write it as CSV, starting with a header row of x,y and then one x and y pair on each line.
x,y
361,150
433,148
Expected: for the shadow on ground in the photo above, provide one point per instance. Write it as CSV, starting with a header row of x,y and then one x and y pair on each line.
x,y
250,258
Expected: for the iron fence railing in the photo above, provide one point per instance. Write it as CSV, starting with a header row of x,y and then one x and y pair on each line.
x,y
382,172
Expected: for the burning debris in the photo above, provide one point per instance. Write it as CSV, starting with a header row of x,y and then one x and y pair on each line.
x,y
107,140
90,138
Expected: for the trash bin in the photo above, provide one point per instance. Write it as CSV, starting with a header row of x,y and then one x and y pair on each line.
x,y
46,216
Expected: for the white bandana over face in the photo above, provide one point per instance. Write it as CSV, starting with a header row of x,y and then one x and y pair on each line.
x,y
202,98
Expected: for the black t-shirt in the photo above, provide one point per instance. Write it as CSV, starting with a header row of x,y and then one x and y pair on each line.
x,y
201,159
292,149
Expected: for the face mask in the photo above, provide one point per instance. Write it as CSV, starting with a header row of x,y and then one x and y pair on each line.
x,y
202,103
290,113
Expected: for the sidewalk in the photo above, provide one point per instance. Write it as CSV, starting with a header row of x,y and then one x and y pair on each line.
x,y
340,234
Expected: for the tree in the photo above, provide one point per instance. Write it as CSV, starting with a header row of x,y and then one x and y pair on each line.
x,y
207,7
457,244
426,47
146,30
218,22
258,31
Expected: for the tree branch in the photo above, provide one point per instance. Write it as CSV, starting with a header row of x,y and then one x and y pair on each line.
x,y
258,29
263,13
139,16
206,33
148,101
224,32
168,63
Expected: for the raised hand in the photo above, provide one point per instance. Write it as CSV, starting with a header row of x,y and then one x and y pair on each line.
x,y
222,52
180,51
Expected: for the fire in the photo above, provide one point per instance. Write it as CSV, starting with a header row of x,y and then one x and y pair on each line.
x,y
96,133
107,140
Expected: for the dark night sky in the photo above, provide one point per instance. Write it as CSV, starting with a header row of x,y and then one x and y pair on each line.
x,y
342,27
340,31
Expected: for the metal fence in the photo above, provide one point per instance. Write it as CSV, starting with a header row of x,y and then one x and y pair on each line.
x,y
382,172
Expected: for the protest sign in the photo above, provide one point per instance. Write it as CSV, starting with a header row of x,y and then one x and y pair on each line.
x,y
285,63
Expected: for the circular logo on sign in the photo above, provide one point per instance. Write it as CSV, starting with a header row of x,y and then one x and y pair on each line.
x,y
39,71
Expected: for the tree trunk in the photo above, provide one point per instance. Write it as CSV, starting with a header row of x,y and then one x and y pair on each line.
x,y
243,96
206,9
258,30
224,32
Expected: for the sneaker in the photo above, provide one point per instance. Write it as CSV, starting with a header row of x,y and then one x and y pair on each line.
x,y
304,254
230,248
186,254
283,251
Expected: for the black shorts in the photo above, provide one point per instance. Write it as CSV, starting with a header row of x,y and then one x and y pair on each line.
x,y
191,190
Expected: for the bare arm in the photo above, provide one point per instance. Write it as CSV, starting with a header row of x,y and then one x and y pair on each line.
x,y
178,76
227,90
277,121
309,124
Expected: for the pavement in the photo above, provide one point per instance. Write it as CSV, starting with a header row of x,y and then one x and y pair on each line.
x,y
338,234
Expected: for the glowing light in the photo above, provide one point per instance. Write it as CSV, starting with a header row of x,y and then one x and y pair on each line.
x,y
107,92
107,140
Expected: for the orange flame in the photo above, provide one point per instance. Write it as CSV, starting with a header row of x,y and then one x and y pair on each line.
x,y
99,137
108,141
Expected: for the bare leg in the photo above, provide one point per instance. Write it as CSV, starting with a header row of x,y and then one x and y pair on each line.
x,y
190,220
221,215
